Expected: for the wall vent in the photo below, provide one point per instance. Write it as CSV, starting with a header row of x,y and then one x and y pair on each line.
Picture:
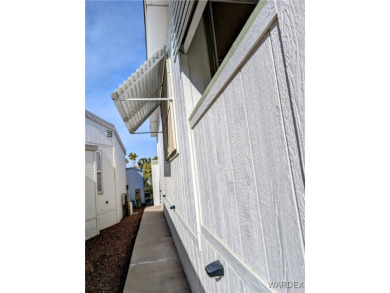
x,y
109,133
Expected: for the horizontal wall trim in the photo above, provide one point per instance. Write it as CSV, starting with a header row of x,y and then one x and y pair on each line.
x,y
250,278
100,144
187,228
106,211
254,30
91,218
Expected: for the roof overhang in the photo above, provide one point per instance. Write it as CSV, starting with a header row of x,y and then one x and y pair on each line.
x,y
140,95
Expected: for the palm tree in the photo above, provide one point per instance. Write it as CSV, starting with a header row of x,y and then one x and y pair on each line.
x,y
133,157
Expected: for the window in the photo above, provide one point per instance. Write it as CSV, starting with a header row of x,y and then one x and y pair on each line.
x,y
219,26
167,118
224,21
99,175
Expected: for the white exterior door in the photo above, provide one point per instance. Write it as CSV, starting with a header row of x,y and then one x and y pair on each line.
x,y
91,221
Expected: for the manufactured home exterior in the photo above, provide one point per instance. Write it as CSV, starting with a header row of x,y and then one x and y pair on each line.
x,y
224,89
105,175
135,180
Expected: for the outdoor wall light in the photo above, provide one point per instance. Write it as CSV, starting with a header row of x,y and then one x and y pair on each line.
x,y
164,195
172,207
215,270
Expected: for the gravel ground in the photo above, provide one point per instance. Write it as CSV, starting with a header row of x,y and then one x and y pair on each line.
x,y
107,255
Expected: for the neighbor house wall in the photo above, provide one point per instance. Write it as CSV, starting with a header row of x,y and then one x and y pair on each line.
x,y
243,144
135,181
120,176
109,206
91,220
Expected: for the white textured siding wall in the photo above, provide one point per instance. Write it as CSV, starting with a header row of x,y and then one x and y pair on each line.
x,y
91,225
120,177
156,187
176,180
248,141
107,200
251,192
97,134
109,206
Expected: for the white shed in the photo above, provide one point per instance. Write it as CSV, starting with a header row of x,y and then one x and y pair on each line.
x,y
105,175
135,180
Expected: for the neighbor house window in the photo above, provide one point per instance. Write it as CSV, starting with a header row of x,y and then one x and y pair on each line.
x,y
168,118
99,175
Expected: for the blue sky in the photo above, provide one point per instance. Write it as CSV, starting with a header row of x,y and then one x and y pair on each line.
x,y
114,49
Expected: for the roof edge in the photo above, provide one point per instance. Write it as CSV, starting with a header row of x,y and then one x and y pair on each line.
x,y
101,121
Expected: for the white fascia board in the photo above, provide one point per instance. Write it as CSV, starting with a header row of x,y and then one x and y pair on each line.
x,y
156,2
156,25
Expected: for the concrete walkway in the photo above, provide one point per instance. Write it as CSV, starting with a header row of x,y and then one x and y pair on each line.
x,y
155,265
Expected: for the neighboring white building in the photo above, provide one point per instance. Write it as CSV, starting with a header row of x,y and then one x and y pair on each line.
x,y
224,83
105,175
135,180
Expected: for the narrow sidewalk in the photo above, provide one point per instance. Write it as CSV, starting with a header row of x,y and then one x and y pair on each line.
x,y
155,265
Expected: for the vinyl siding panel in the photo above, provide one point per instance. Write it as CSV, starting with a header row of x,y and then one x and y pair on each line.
x,y
109,206
276,194
97,134
91,225
120,177
179,186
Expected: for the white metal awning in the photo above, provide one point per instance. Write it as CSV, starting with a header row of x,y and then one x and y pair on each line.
x,y
179,17
138,97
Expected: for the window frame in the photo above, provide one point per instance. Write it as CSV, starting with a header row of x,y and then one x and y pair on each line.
x,y
99,172
211,35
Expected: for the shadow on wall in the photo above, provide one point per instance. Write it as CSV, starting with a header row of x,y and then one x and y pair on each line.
x,y
167,169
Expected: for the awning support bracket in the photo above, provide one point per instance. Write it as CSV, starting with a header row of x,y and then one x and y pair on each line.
x,y
146,99
147,132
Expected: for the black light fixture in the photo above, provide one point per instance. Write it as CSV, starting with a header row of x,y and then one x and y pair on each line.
x,y
164,195
215,270
172,207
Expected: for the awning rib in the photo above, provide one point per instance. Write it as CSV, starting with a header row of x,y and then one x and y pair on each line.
x,y
179,18
134,99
